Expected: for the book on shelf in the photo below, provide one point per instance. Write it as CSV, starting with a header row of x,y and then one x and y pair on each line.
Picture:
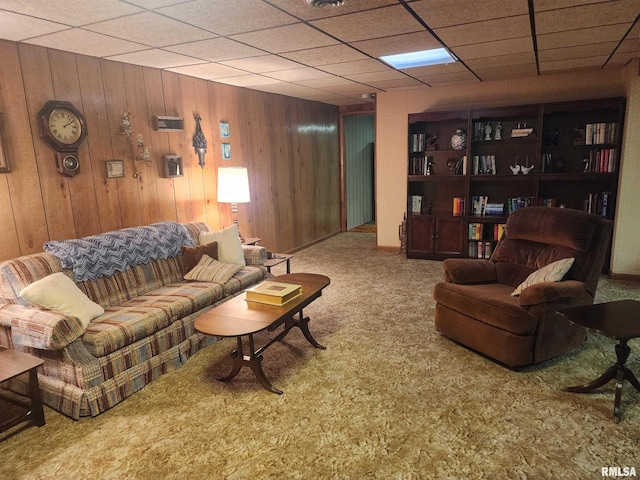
x,y
498,231
458,206
548,202
479,205
415,201
601,160
484,165
515,203
481,249
521,132
273,293
494,209
475,231
420,165
599,203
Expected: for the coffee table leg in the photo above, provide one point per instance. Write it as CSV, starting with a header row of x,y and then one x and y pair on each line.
x,y
36,398
303,324
253,361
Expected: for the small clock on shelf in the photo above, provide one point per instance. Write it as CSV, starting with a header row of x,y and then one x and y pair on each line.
x,y
63,127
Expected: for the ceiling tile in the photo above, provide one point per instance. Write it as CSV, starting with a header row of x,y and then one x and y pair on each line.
x,y
228,17
286,39
303,10
507,71
216,49
297,74
351,68
586,36
487,31
447,77
629,46
573,63
383,22
151,4
81,41
441,13
542,5
392,84
325,82
325,55
492,49
289,89
376,76
262,64
16,27
581,51
71,12
621,59
248,80
435,69
410,42
155,58
353,89
209,71
526,58
585,16
151,29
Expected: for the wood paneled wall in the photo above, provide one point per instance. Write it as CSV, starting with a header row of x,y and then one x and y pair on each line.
x,y
289,146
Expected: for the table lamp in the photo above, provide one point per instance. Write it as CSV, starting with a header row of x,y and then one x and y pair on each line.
x,y
233,188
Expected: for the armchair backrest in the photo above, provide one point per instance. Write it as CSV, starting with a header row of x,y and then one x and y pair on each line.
x,y
537,236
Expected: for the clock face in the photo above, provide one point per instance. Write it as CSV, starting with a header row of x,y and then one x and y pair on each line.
x,y
65,126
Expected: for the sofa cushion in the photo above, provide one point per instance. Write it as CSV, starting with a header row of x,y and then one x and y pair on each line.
x,y
488,303
192,255
554,272
229,244
142,316
59,293
210,270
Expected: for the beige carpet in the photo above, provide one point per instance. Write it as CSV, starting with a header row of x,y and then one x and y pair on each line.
x,y
389,398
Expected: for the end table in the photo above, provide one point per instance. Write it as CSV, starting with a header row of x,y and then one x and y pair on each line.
x,y
277,259
12,364
619,320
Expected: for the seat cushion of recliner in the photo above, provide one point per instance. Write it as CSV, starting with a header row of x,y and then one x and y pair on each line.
x,y
488,303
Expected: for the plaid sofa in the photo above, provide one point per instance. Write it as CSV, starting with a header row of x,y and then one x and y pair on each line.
x,y
146,330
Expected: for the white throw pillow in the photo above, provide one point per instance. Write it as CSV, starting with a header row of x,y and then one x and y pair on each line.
x,y
210,270
229,244
59,293
554,272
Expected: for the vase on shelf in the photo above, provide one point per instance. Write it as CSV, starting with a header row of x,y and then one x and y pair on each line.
x,y
459,140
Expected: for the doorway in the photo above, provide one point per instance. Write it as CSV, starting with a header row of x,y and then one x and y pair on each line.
x,y
359,192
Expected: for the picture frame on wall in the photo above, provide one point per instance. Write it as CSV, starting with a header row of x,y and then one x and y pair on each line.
x,y
224,130
226,151
4,158
114,168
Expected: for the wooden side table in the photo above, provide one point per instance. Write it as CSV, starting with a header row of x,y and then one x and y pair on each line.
x,y
277,259
619,320
12,364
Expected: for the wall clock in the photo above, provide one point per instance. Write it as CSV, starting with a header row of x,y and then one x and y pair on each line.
x,y
63,127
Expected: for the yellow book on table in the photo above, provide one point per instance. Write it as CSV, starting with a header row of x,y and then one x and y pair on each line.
x,y
273,293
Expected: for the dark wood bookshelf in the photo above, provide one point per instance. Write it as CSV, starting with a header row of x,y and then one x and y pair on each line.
x,y
573,147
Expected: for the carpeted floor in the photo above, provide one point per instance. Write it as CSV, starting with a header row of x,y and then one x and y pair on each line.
x,y
390,398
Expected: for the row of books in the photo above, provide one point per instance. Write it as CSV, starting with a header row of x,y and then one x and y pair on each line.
x,y
481,231
515,203
603,160
598,133
419,142
482,249
483,165
600,203
421,165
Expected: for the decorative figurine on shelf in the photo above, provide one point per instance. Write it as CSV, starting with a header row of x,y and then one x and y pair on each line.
x,y
515,169
451,163
487,131
430,165
498,132
586,165
431,142
459,140
525,169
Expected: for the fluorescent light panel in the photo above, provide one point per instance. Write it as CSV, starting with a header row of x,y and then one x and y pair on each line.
x,y
422,58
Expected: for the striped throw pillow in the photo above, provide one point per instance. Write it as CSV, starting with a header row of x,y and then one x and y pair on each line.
x,y
211,270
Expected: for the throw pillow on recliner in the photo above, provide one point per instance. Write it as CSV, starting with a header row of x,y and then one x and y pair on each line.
x,y
554,272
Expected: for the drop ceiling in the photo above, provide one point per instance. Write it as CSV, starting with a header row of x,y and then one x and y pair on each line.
x,y
330,54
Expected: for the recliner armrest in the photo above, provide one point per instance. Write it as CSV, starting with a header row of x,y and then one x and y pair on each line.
x,y
551,291
469,270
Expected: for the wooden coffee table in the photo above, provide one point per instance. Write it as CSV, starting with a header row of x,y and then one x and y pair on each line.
x,y
239,318
12,364
619,320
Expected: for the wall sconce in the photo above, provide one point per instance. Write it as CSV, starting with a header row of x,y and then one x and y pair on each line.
x,y
199,143
233,188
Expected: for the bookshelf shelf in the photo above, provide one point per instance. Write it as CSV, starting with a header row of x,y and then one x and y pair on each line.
x,y
572,151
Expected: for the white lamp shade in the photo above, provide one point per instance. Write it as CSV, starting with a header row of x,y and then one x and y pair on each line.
x,y
233,185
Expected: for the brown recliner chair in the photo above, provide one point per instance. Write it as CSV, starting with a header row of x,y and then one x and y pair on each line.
x,y
474,304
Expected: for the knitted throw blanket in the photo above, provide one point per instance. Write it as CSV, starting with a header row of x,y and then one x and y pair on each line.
x,y
101,255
